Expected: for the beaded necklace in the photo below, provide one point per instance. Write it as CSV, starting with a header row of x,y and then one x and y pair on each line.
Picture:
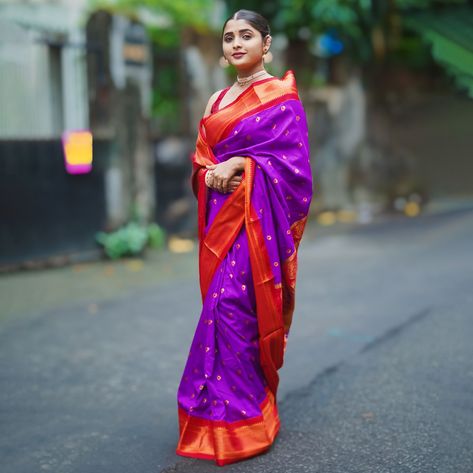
x,y
242,81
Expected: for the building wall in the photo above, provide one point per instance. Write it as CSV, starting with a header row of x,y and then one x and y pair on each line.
x,y
46,212
43,87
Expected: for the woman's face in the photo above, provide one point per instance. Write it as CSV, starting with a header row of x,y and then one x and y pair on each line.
x,y
242,44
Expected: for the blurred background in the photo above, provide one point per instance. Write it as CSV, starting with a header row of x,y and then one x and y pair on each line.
x,y
99,287
387,86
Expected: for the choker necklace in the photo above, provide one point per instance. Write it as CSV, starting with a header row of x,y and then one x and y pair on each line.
x,y
242,81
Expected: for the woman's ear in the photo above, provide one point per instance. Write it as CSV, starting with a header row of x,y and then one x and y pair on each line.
x,y
267,43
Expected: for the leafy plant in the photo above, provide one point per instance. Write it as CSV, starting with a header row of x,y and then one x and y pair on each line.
x,y
131,239
156,236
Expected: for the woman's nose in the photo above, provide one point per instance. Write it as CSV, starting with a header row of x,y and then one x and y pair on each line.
x,y
236,43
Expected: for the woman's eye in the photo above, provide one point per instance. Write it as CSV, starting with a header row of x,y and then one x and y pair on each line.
x,y
247,36
228,39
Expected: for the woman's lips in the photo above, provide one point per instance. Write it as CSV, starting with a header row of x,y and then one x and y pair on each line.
x,y
238,55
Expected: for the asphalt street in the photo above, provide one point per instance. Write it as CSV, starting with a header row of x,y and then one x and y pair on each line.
x,y
378,375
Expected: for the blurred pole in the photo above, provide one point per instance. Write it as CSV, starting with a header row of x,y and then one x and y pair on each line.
x,y
119,76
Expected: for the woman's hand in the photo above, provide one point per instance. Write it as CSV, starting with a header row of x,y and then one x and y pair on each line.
x,y
223,173
233,183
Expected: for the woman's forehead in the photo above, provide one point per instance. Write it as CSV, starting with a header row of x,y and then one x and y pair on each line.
x,y
234,26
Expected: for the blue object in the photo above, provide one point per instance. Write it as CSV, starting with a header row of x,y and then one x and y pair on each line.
x,y
329,44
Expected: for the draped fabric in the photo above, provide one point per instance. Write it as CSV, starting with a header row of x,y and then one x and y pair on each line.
x,y
248,241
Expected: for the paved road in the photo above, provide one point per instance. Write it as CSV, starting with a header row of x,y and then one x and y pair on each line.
x,y
378,374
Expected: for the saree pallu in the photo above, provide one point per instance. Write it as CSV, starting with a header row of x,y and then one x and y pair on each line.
x,y
248,243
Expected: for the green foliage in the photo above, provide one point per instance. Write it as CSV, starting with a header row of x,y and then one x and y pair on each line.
x,y
289,16
354,20
165,20
179,12
166,105
424,4
167,38
413,52
167,110
156,236
131,239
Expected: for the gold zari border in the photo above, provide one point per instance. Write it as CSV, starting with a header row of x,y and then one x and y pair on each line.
x,y
228,442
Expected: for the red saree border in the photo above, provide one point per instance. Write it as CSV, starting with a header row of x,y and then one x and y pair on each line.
x,y
258,82
272,317
228,442
268,295
202,157
201,192
289,275
226,131
258,96
220,236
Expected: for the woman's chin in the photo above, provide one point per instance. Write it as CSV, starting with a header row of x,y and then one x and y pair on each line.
x,y
239,63
243,66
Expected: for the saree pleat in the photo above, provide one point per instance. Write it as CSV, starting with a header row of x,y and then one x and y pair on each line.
x,y
248,240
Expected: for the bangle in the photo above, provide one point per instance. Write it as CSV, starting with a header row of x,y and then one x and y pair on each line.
x,y
208,174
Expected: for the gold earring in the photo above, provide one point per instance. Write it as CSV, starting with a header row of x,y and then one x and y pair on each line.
x,y
223,62
267,57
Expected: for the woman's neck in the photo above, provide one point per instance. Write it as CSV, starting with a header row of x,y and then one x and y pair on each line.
x,y
242,74
246,80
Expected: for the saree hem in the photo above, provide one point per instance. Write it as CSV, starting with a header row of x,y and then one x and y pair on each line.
x,y
218,462
228,442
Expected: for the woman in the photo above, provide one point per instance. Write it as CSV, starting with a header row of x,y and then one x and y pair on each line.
x,y
253,182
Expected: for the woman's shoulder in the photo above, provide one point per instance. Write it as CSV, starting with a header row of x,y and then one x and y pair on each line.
x,y
213,98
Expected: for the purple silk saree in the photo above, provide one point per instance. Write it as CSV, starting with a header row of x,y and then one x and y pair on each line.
x,y
248,263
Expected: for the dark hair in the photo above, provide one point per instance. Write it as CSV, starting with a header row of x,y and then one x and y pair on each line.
x,y
257,21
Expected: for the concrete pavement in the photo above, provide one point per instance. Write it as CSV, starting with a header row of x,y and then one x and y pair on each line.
x,y
403,404
377,374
